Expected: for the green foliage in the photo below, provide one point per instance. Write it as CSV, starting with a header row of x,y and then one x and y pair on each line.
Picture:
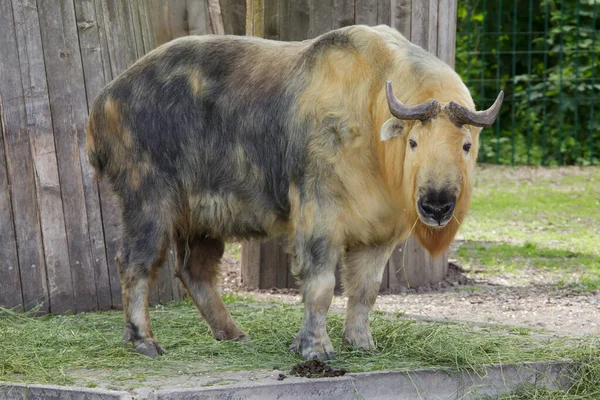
x,y
545,55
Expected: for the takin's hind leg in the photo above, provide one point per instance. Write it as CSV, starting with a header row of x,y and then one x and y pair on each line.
x,y
361,279
139,261
198,269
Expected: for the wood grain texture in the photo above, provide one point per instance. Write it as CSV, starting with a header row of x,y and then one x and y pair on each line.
x,y
216,20
384,12
94,81
322,17
343,13
20,165
366,12
10,279
285,20
271,29
300,22
401,16
251,264
446,41
416,267
233,13
419,23
432,34
44,153
68,106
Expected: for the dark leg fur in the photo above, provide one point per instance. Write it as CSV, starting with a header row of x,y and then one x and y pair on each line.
x,y
138,268
198,269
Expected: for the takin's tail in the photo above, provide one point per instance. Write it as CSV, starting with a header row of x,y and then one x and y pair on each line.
x,y
94,157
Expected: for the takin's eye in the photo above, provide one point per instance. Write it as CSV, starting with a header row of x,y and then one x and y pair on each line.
x,y
412,144
467,147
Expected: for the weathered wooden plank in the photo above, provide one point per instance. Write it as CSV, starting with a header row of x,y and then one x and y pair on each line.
x,y
366,12
216,20
110,212
285,20
432,25
419,23
384,12
416,266
446,39
251,264
10,279
198,18
233,13
102,43
271,28
401,13
94,81
343,13
269,263
273,263
134,18
68,108
43,151
160,21
300,23
148,34
120,54
322,17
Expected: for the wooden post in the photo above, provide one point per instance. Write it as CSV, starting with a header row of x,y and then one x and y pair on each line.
x,y
428,23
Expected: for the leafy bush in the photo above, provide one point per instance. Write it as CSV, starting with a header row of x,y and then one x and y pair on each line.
x,y
545,55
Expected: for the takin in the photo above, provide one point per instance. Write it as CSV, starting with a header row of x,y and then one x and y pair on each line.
x,y
345,143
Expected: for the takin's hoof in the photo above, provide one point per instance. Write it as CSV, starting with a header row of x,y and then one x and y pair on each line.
x,y
314,349
150,349
360,339
236,335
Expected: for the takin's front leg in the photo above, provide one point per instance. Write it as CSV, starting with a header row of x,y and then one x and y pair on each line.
x,y
315,267
361,279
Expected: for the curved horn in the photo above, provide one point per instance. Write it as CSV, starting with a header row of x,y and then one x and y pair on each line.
x,y
463,116
423,112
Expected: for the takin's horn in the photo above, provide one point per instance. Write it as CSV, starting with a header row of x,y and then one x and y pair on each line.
x,y
423,112
460,115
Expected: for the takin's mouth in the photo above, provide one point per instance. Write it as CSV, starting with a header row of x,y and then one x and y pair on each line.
x,y
432,223
436,209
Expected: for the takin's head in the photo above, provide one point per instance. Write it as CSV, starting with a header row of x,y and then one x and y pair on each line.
x,y
439,146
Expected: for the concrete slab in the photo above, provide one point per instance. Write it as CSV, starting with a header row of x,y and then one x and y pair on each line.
x,y
424,384
11,391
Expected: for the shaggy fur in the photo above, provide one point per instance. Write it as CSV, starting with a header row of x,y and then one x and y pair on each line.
x,y
215,138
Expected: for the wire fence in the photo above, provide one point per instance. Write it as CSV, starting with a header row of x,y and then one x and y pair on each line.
x,y
545,55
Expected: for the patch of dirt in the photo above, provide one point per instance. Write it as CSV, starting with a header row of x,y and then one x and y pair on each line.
x,y
316,369
529,300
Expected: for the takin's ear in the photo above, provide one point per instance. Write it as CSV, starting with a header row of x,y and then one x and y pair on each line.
x,y
391,128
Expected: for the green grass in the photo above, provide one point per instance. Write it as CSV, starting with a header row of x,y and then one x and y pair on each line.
x,y
53,349
547,219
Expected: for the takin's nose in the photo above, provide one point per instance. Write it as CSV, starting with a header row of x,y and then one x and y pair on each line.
x,y
437,206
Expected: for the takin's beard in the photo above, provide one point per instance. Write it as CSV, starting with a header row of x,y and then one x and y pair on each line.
x,y
437,240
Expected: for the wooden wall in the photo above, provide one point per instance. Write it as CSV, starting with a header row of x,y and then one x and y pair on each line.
x,y
176,18
58,229
428,23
